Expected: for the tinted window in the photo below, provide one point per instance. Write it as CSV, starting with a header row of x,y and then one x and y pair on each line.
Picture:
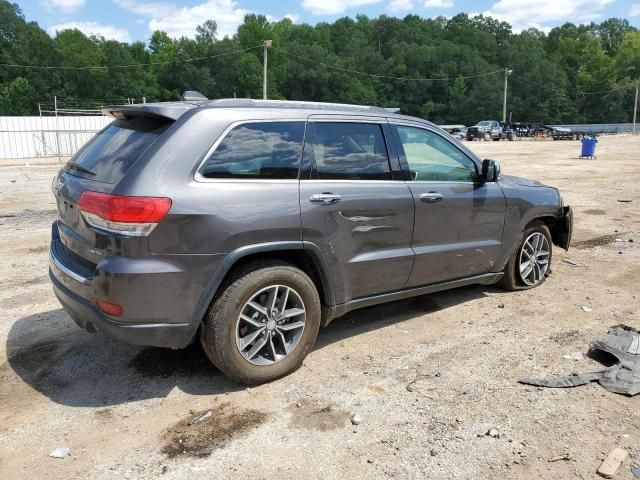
x,y
432,157
258,150
116,148
351,151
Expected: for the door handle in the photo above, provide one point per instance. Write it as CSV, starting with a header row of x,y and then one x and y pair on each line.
x,y
431,197
325,198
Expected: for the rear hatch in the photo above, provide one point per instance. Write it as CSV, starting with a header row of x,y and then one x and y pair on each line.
x,y
99,166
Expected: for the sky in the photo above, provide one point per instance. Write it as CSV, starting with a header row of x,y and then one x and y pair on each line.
x,y
132,20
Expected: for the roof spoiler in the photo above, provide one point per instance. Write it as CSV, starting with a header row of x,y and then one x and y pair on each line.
x,y
193,96
168,110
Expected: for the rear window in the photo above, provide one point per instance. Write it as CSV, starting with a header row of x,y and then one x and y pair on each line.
x,y
266,150
114,150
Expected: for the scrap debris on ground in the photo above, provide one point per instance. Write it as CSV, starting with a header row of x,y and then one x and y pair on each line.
x,y
623,344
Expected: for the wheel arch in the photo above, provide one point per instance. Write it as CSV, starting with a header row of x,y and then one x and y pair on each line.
x,y
556,227
304,255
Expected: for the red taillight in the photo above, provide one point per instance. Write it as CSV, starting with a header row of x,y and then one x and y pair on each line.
x,y
110,308
118,208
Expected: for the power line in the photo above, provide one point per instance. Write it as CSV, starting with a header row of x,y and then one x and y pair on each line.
x,y
388,77
107,67
547,87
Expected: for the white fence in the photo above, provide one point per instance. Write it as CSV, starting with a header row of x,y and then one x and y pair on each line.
x,y
36,137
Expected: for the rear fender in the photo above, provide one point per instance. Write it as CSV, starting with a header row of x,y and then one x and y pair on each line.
x,y
235,256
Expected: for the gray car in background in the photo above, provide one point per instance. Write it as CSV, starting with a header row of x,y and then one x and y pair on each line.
x,y
251,224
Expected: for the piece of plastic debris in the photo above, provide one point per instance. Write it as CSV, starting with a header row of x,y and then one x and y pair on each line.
x,y
577,356
493,433
636,472
610,465
586,309
573,263
203,416
624,200
564,456
622,377
356,419
634,348
59,452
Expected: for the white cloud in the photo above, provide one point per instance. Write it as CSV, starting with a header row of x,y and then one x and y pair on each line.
x,y
438,3
523,14
64,6
147,9
182,21
332,7
110,32
634,11
400,5
294,17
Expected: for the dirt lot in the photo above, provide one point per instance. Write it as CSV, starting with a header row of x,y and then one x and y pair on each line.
x,y
428,376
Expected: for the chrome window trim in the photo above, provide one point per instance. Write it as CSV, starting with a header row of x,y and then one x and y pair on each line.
x,y
198,177
386,182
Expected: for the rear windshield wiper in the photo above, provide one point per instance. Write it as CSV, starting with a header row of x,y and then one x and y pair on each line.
x,y
80,168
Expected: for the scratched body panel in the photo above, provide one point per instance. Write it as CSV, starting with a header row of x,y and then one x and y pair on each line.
x,y
366,236
459,236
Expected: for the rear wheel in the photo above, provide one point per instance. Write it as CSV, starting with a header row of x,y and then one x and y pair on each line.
x,y
530,263
263,324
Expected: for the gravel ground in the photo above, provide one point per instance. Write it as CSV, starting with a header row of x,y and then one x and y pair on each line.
x,y
429,377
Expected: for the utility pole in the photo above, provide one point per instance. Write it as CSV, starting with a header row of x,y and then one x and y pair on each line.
x,y
267,44
635,109
507,72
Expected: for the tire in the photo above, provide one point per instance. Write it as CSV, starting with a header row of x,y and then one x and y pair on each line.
x,y
223,330
512,280
496,139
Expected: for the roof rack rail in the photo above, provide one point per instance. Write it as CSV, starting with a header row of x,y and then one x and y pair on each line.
x,y
193,96
248,102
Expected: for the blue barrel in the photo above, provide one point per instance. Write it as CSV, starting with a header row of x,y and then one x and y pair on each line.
x,y
588,147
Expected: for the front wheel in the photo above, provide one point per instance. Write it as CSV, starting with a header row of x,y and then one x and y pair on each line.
x,y
263,324
530,263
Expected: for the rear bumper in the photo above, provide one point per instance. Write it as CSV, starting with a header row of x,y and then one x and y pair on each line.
x,y
89,317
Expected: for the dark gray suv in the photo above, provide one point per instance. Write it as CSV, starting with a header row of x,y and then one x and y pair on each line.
x,y
253,223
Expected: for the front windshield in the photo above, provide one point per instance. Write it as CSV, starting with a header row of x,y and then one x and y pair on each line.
x,y
484,123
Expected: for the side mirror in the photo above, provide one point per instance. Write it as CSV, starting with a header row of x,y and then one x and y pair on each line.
x,y
490,170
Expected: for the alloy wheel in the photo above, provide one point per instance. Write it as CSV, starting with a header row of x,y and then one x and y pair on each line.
x,y
270,325
534,259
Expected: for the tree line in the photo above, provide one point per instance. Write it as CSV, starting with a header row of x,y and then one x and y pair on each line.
x,y
573,74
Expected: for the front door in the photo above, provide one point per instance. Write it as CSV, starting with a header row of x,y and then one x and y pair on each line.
x,y
354,209
459,219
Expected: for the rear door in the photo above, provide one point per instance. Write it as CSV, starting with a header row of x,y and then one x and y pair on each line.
x,y
459,219
355,206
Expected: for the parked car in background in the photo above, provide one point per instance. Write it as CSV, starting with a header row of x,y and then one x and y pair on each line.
x,y
250,224
457,131
561,133
487,130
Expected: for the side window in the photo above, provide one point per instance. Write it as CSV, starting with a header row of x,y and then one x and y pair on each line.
x,y
433,158
349,151
269,150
